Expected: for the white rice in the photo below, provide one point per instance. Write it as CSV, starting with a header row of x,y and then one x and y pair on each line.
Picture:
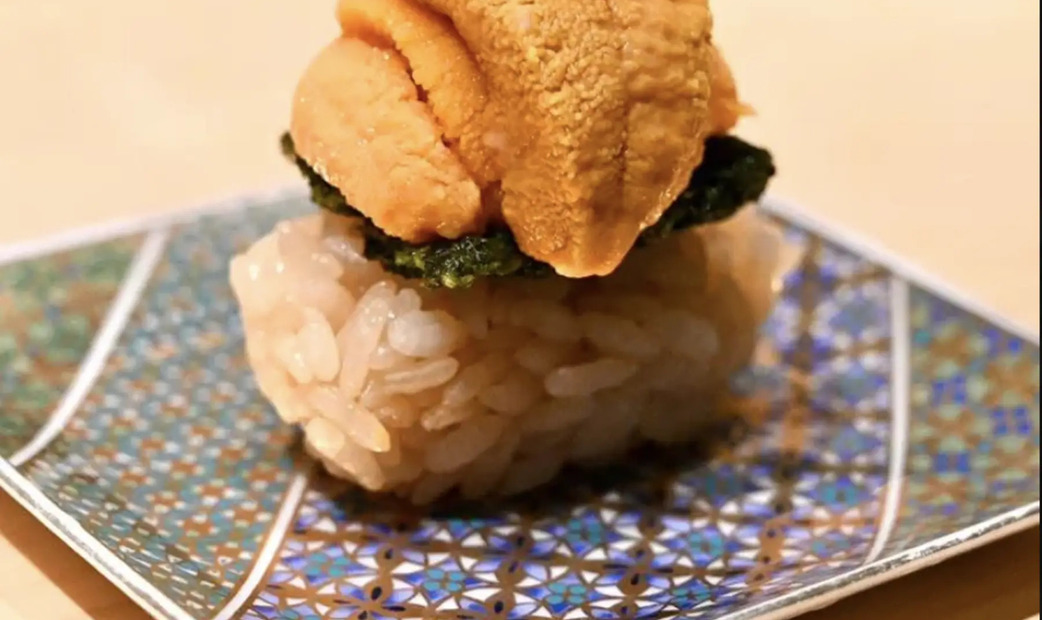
x,y
493,389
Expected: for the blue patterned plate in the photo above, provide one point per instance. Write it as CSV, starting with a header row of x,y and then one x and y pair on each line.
x,y
898,427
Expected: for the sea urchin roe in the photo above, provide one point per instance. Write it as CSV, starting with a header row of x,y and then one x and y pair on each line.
x,y
724,106
358,117
577,124
553,74
441,66
733,174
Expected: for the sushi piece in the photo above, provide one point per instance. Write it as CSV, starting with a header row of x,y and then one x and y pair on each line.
x,y
531,248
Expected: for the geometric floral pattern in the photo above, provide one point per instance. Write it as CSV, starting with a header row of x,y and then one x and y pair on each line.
x,y
176,464
174,461
49,312
974,422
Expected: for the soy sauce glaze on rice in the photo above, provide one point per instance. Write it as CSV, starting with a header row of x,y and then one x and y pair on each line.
x,y
531,248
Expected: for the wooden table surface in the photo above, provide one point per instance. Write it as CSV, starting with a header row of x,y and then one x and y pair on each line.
x,y
913,123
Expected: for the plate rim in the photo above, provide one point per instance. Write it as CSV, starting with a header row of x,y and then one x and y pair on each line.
x,y
801,600
833,589
75,536
798,601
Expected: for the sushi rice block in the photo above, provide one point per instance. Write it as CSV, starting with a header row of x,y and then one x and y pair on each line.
x,y
493,388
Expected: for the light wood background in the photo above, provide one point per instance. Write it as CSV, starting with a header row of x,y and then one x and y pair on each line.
x,y
913,123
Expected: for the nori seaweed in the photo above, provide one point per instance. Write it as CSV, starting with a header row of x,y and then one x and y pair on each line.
x,y
733,173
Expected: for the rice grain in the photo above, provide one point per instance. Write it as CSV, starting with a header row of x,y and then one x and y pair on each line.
x,y
585,379
492,390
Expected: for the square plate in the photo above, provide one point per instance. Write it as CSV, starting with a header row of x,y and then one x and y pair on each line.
x,y
900,426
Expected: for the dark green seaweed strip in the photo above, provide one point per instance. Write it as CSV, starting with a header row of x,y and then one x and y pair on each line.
x,y
733,173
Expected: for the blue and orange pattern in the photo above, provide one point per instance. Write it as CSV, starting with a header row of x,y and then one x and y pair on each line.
x,y
973,445
49,311
177,465
174,461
